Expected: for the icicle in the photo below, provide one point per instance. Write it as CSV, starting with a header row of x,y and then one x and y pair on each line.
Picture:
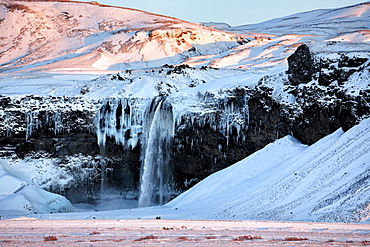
x,y
28,125
120,119
57,123
32,123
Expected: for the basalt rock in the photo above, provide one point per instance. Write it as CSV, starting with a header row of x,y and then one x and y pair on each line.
x,y
311,119
328,63
301,66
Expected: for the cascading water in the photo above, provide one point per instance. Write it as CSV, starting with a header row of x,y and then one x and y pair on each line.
x,y
156,174
131,122
148,125
105,112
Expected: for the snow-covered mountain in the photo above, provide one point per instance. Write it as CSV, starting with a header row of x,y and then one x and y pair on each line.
x,y
342,24
92,95
54,36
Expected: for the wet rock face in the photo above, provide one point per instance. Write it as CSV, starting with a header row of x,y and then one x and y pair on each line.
x,y
123,166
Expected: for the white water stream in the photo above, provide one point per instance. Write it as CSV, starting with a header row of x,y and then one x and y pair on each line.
x,y
156,172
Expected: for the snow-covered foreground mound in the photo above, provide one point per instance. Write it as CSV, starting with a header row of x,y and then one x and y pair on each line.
x,y
328,181
17,196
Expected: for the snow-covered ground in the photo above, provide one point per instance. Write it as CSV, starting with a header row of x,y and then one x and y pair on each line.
x,y
69,37
60,48
158,232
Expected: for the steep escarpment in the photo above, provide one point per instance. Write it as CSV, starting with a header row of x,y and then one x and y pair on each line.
x,y
212,129
296,103
56,134
54,124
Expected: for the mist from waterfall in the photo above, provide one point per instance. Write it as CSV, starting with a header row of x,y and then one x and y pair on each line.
x,y
156,171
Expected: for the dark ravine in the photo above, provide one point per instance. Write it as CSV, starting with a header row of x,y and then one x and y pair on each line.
x,y
29,127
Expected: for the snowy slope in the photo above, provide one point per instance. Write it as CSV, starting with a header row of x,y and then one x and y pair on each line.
x,y
321,22
274,40
65,38
328,181
68,37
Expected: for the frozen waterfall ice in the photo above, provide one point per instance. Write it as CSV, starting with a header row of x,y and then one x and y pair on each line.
x,y
150,123
156,175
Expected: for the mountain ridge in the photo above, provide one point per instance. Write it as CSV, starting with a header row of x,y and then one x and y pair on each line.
x,y
104,34
108,43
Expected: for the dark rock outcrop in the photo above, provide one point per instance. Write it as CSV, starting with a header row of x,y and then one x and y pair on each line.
x,y
331,63
208,142
301,66
51,124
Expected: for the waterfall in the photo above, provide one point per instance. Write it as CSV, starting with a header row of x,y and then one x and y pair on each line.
x,y
150,123
156,174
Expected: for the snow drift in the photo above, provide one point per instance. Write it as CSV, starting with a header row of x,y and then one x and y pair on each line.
x,y
18,196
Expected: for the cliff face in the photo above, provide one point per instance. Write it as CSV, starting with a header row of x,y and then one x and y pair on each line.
x,y
335,91
218,130
58,125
